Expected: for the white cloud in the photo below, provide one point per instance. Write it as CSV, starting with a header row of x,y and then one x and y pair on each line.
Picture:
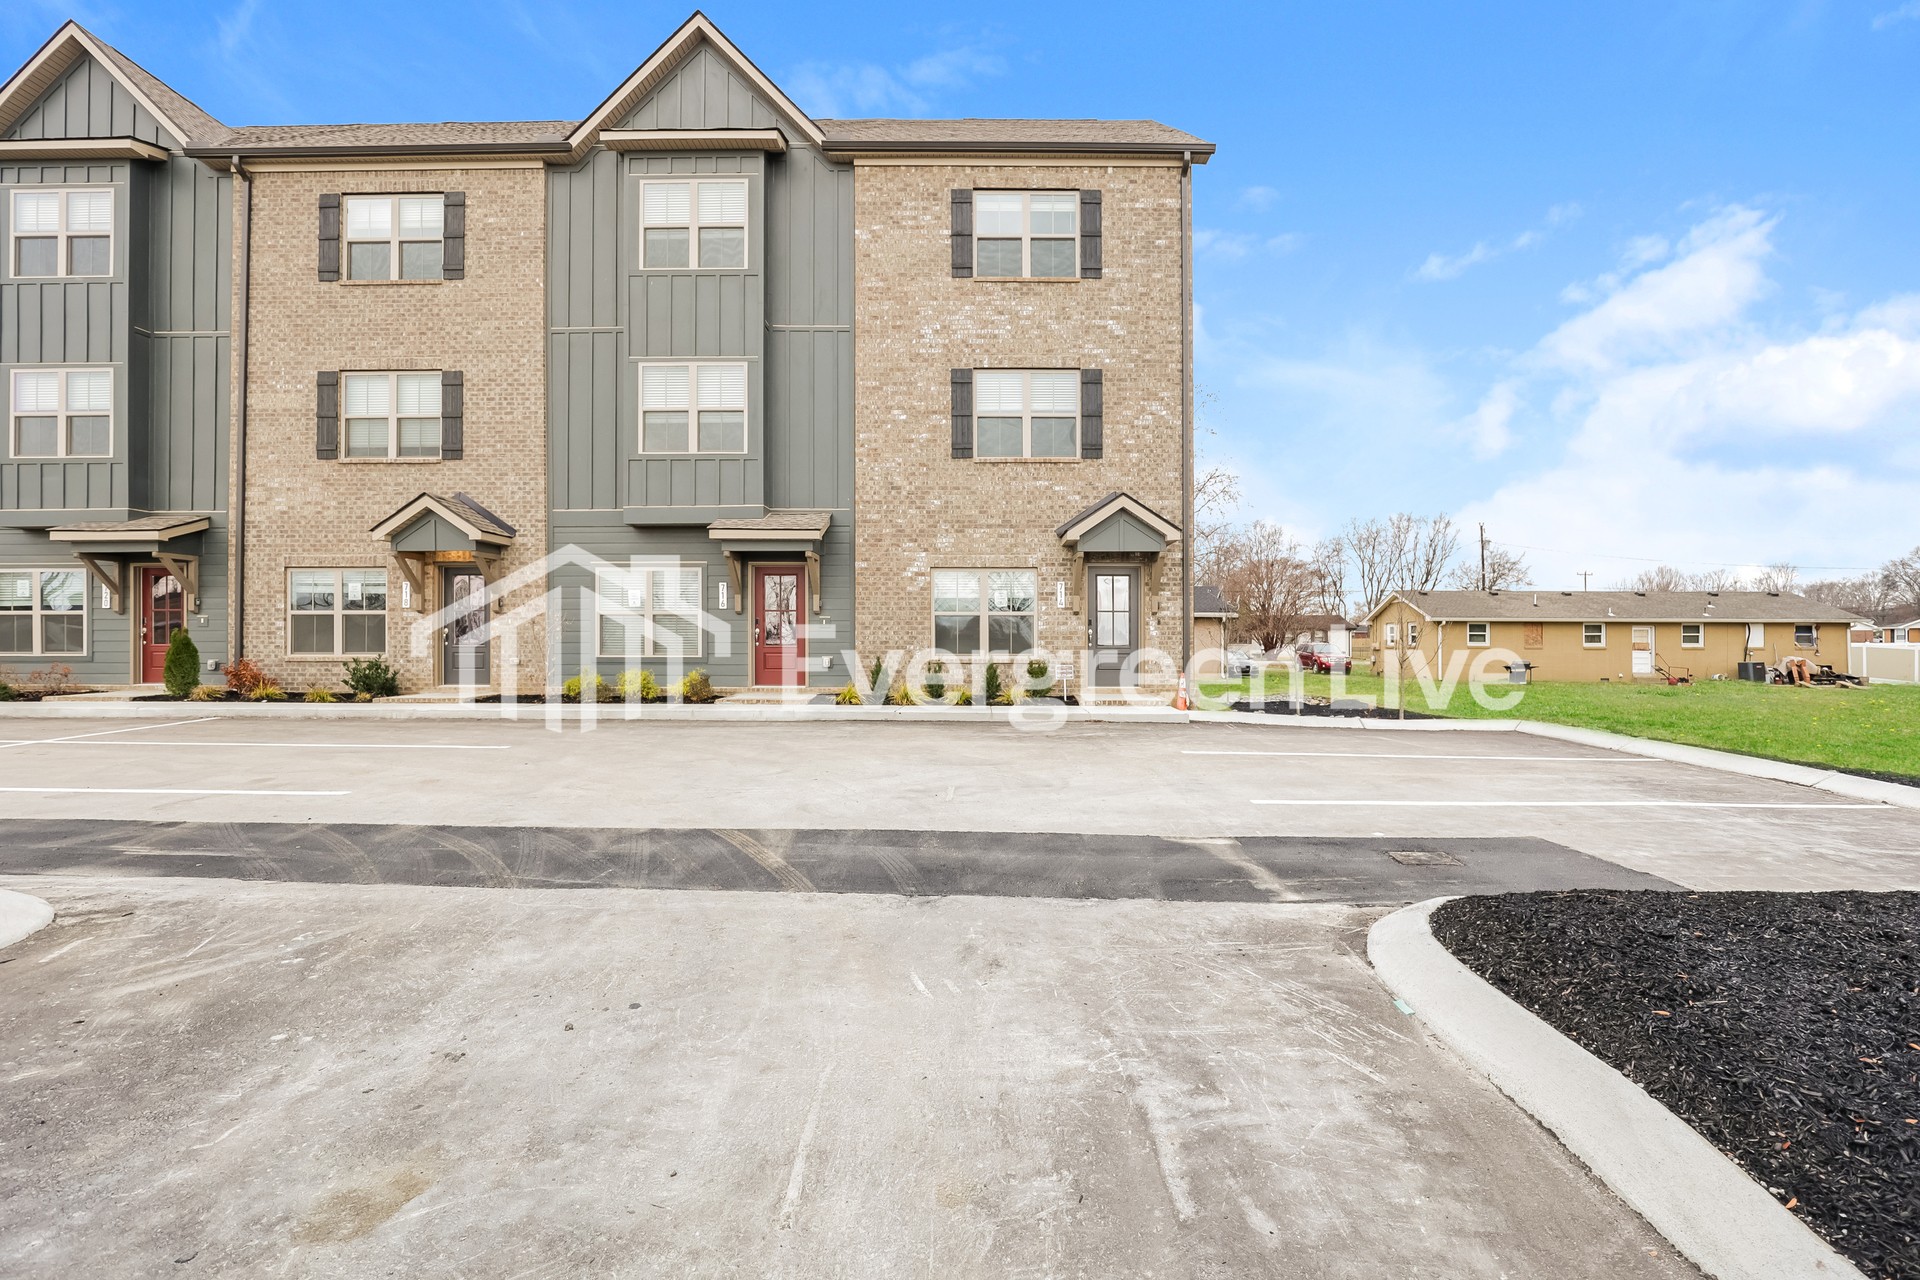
x,y
864,88
236,26
1259,199
1488,429
1234,245
1904,13
1442,266
1694,436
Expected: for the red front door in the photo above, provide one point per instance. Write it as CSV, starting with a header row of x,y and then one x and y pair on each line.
x,y
779,611
163,611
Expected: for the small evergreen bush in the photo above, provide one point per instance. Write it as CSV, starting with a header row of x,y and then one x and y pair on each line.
x,y
182,673
373,677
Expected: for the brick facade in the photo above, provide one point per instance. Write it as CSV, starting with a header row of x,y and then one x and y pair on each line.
x,y
302,512
919,509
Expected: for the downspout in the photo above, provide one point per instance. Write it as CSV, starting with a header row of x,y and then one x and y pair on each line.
x,y
237,515
1186,409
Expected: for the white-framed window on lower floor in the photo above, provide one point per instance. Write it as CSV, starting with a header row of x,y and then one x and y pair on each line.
x,y
1479,635
984,610
693,408
61,413
1693,635
43,612
1593,635
648,611
1806,636
393,415
1413,635
1026,413
1391,639
336,612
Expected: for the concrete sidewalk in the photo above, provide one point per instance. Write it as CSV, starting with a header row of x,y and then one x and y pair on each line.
x,y
241,1080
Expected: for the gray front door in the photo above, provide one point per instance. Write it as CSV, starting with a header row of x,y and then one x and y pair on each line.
x,y
1113,625
465,654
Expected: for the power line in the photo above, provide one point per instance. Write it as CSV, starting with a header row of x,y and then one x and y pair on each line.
x,y
1679,564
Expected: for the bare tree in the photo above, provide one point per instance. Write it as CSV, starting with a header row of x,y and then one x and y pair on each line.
x,y
1374,553
1330,572
1505,570
1401,552
1777,577
1270,582
1662,577
1216,496
1900,578
1431,545
1866,595
1714,580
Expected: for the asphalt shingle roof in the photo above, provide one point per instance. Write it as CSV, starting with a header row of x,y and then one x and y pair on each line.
x,y
981,132
485,133
1522,605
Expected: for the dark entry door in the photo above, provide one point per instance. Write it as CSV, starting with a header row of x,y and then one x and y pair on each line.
x,y
163,611
1113,624
779,611
466,648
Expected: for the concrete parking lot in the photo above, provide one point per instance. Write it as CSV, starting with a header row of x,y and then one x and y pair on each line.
x,y
870,1000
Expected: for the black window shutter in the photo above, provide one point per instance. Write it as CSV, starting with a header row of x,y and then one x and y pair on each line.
x,y
453,237
453,432
963,413
330,237
962,234
1089,235
1092,414
326,416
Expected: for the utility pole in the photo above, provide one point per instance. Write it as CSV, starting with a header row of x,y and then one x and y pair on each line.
x,y
1483,557
1584,575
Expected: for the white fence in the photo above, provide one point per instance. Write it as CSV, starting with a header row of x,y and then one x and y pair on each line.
x,y
1892,663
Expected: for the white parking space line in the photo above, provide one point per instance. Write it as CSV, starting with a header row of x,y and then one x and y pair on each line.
x,y
1576,804
338,746
157,791
1416,755
103,733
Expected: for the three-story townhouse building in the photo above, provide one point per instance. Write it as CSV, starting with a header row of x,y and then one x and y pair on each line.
x,y
734,387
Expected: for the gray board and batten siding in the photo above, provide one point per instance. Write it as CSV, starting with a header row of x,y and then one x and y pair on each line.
x,y
788,316
160,322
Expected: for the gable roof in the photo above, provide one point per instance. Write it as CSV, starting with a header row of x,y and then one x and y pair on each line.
x,y
980,135
466,515
188,124
1616,606
1113,504
1210,601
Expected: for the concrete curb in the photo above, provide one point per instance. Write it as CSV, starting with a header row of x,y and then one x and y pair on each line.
x,y
1704,1204
757,713
21,916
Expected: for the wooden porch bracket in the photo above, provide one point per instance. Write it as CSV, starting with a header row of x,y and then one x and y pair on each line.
x,y
412,565
114,582
186,572
813,578
733,572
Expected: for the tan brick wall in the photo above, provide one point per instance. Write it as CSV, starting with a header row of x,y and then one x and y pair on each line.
x,y
919,509
305,513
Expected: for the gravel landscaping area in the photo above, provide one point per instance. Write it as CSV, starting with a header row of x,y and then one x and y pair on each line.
x,y
1784,1027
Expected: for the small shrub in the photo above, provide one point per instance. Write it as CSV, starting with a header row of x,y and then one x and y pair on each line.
x,y
575,689
51,678
244,676
1037,671
320,695
898,695
206,693
698,688
373,677
6,692
965,698
269,692
363,697
637,686
995,687
847,697
182,672
936,685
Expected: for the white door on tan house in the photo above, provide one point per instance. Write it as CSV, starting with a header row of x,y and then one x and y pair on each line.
x,y
1643,651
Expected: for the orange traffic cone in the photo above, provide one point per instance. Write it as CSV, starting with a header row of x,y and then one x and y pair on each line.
x,y
1180,696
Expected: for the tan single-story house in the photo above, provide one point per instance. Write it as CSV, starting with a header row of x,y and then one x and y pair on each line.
x,y
1211,614
1598,636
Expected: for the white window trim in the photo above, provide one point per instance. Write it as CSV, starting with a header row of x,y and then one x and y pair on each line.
x,y
339,613
1026,233
63,429
1585,643
1026,416
1413,635
39,611
985,613
1700,632
643,617
1486,635
693,223
393,239
693,409
393,415
62,249
1813,635
1391,640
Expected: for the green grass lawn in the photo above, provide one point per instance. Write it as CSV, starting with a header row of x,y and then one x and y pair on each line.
x,y
1875,729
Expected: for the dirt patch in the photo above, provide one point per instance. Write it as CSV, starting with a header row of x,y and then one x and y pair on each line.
x,y
353,1212
1785,1027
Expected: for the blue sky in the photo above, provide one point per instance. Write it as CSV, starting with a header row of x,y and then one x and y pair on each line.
x,y
1629,282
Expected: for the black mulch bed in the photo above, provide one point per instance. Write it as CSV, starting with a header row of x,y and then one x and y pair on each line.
x,y
1346,708
1785,1027
41,695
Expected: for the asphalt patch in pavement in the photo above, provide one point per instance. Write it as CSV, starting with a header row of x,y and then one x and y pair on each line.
x,y
910,863
1785,1027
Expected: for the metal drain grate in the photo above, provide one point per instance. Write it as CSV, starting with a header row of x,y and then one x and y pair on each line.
x,y
1423,858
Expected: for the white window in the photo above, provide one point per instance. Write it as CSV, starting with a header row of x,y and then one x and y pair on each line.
x,y
703,223
1756,635
1477,635
998,605
62,233
1693,635
62,413
392,415
693,408
1393,635
1593,635
1805,637
1026,233
335,612
1026,413
43,612
1413,635
649,611
395,237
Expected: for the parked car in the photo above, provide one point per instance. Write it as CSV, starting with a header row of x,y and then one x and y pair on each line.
x,y
1324,658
